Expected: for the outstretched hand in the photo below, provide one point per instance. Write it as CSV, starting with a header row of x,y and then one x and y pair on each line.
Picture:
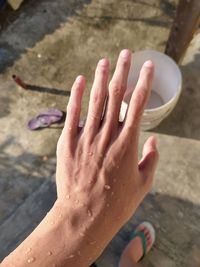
x,y
98,173
100,182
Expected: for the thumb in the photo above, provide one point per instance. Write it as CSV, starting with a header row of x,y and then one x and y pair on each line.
x,y
148,163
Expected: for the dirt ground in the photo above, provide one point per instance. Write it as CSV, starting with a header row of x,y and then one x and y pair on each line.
x,y
48,43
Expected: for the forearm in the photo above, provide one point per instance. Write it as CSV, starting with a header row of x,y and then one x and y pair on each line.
x,y
57,241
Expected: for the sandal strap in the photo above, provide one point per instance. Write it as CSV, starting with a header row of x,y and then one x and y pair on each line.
x,y
143,239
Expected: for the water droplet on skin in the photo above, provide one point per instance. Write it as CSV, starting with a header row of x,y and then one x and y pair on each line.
x,y
89,213
52,223
91,153
30,260
67,196
107,187
79,253
70,256
28,250
81,234
49,253
112,193
93,242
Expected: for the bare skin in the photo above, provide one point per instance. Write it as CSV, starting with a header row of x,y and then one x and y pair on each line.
x,y
100,182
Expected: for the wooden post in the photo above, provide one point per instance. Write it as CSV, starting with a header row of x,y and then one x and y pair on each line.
x,y
15,4
185,24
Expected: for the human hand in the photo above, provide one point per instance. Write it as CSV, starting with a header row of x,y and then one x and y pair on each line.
x,y
98,175
99,180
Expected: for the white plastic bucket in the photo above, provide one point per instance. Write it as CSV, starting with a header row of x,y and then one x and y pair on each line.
x,y
166,87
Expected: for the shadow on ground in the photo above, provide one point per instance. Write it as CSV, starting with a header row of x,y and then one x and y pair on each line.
x,y
28,18
41,89
21,174
167,8
34,14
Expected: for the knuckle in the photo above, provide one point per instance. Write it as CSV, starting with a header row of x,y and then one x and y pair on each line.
x,y
97,97
94,114
123,88
115,88
139,102
141,96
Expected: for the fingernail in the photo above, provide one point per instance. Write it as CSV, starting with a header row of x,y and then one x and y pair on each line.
x,y
79,79
125,53
103,62
148,64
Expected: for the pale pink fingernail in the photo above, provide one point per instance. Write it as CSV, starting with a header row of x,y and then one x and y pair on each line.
x,y
148,64
125,53
103,62
79,79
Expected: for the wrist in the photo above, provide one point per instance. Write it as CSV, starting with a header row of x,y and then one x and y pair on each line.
x,y
77,234
57,241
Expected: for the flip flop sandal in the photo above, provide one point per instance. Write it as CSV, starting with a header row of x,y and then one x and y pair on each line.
x,y
45,119
139,233
51,111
